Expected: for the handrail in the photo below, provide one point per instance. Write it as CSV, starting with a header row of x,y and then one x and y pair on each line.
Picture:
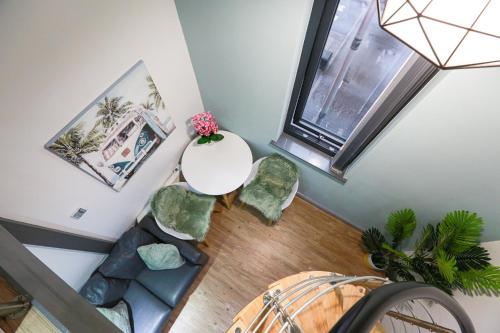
x,y
36,280
419,322
31,234
364,315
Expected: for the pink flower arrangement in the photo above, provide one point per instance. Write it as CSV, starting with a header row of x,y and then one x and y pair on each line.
x,y
205,125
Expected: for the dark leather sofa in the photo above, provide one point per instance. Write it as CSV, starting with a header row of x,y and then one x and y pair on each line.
x,y
150,295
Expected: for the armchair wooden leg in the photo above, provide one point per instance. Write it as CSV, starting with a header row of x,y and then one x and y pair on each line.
x,y
205,243
242,204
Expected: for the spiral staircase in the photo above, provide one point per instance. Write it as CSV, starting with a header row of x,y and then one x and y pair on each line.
x,y
322,302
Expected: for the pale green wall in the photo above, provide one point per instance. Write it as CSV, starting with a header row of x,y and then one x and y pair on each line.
x,y
441,153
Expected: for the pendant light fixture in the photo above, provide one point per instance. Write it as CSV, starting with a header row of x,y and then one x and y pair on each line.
x,y
449,33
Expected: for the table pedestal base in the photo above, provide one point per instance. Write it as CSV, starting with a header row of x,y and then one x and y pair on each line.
x,y
229,198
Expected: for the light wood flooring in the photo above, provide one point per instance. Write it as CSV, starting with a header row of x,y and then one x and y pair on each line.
x,y
246,256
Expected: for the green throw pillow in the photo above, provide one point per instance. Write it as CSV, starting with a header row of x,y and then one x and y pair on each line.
x,y
118,315
160,256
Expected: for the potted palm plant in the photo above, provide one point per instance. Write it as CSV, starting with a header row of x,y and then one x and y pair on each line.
x,y
446,255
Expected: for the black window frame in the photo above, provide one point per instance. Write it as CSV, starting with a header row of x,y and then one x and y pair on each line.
x,y
321,19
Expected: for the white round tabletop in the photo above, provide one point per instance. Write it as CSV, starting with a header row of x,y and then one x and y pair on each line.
x,y
217,168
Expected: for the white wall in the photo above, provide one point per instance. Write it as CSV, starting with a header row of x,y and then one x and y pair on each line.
x,y
440,154
74,267
56,57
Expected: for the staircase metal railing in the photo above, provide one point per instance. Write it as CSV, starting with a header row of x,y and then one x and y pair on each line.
x,y
379,306
410,303
16,308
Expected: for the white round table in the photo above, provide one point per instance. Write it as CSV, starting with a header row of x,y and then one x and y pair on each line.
x,y
217,168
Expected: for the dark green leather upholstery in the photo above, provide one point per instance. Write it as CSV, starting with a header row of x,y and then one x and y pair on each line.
x,y
149,314
169,285
124,262
102,291
151,295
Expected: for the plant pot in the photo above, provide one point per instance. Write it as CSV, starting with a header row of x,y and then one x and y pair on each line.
x,y
374,261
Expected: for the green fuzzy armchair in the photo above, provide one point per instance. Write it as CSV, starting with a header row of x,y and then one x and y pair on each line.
x,y
273,184
183,211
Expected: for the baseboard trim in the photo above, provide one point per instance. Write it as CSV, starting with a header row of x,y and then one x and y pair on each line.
x,y
328,210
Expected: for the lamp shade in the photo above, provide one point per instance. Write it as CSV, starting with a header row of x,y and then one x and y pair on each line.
x,y
449,33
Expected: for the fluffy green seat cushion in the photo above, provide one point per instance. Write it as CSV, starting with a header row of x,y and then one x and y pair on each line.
x,y
271,186
160,256
118,315
183,211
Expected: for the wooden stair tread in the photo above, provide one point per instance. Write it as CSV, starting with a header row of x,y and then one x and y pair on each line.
x,y
319,316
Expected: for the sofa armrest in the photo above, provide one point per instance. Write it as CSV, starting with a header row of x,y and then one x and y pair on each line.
x,y
188,251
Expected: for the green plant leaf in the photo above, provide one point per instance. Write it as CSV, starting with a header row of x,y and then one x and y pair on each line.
x,y
372,240
459,231
433,277
447,265
430,274
401,225
484,281
216,137
203,140
396,253
405,275
399,271
474,258
392,269
427,240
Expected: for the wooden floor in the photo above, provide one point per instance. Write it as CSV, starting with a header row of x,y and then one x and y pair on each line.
x,y
7,294
246,256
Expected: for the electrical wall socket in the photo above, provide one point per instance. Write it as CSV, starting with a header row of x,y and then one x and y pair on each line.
x,y
79,213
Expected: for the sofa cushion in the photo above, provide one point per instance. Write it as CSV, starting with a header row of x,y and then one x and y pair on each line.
x,y
188,251
160,256
103,291
118,315
171,284
123,261
149,314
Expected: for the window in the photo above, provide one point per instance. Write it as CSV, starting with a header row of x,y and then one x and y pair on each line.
x,y
125,132
353,78
110,149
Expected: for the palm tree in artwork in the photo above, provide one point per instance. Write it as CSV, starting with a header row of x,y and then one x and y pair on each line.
x,y
110,110
155,94
73,144
148,106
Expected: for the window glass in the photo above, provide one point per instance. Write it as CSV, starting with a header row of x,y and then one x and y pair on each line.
x,y
358,62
